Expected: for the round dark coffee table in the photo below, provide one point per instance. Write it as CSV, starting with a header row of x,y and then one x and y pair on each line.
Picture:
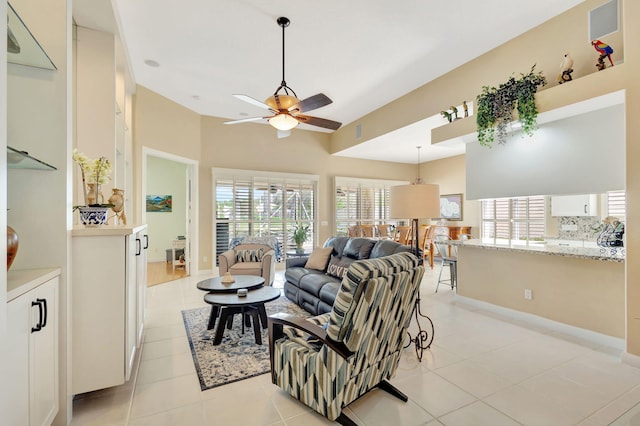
x,y
215,285
249,306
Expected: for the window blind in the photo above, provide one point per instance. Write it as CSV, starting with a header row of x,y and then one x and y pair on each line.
x,y
617,204
521,218
362,202
255,203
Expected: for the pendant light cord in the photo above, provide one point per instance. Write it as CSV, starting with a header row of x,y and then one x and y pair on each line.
x,y
418,179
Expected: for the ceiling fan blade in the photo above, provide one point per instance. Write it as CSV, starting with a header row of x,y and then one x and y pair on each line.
x,y
254,102
245,120
311,103
320,122
284,134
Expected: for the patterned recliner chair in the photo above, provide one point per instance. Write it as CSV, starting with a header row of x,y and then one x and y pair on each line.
x,y
330,360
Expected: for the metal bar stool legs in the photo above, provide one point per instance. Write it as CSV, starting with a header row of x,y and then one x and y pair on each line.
x,y
453,274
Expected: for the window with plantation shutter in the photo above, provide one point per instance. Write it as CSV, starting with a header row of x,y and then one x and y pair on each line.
x,y
254,203
617,204
362,202
513,219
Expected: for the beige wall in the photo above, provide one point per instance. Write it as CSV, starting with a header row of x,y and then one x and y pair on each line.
x,y
450,174
584,293
165,126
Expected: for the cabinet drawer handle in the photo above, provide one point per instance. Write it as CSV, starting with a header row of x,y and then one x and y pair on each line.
x,y
46,312
585,209
138,246
38,303
146,241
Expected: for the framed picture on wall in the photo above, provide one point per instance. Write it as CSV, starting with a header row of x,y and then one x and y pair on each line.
x,y
159,203
451,207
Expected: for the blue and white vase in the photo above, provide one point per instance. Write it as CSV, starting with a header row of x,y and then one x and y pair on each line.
x,y
93,215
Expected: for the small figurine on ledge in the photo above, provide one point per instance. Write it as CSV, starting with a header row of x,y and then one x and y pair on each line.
x,y
465,107
447,115
455,112
566,68
605,52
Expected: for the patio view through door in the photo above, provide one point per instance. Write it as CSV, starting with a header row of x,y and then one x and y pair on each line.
x,y
253,203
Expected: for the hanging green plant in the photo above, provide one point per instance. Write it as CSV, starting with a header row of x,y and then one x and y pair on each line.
x,y
495,107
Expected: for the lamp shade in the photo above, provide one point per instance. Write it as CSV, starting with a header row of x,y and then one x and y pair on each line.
x,y
283,122
414,201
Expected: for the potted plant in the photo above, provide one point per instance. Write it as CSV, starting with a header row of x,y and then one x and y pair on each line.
x,y
300,236
94,173
495,107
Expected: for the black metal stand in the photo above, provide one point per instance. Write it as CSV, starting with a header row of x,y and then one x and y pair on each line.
x,y
423,338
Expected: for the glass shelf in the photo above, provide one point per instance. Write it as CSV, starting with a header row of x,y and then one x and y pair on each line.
x,y
22,47
22,160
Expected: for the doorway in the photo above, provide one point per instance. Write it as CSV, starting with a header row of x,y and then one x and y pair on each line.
x,y
168,206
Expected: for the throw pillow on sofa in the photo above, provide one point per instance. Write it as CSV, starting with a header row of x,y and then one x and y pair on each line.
x,y
249,255
319,258
338,267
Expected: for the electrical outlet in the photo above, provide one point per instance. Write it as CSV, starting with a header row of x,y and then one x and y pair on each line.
x,y
205,259
528,294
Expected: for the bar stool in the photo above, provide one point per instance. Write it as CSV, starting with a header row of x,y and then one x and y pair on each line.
x,y
449,256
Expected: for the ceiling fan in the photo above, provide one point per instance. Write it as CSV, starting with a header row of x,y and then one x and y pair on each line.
x,y
287,109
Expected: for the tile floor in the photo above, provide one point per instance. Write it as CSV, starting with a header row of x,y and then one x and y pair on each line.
x,y
481,370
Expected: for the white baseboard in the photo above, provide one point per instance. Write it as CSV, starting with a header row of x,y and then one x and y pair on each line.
x,y
202,272
631,359
588,335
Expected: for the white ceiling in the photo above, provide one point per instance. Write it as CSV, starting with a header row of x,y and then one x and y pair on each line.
x,y
363,54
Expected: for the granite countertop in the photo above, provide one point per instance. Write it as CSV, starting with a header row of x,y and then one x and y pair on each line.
x,y
608,254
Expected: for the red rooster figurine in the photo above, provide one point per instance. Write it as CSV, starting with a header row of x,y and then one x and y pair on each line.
x,y
605,52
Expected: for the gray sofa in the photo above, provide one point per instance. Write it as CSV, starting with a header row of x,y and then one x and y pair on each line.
x,y
315,290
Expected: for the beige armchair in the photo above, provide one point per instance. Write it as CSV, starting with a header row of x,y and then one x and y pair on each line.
x,y
262,266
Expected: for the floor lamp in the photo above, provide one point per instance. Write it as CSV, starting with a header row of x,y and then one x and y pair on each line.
x,y
415,201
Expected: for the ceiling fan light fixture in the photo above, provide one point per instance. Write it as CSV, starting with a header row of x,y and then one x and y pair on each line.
x,y
283,122
286,102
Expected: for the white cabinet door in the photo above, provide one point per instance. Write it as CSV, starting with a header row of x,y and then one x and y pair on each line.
x,y
574,205
18,332
141,279
131,303
99,312
43,348
32,321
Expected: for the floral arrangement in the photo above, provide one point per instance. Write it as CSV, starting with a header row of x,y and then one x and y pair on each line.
x,y
94,173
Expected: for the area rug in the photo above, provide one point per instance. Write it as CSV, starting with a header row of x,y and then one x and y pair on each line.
x,y
238,357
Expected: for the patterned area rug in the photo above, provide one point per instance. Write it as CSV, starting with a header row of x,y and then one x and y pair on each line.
x,y
238,357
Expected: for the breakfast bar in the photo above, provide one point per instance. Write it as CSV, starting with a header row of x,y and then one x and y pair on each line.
x,y
579,286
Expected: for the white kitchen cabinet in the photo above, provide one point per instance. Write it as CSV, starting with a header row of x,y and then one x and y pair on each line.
x,y
107,304
32,337
574,205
